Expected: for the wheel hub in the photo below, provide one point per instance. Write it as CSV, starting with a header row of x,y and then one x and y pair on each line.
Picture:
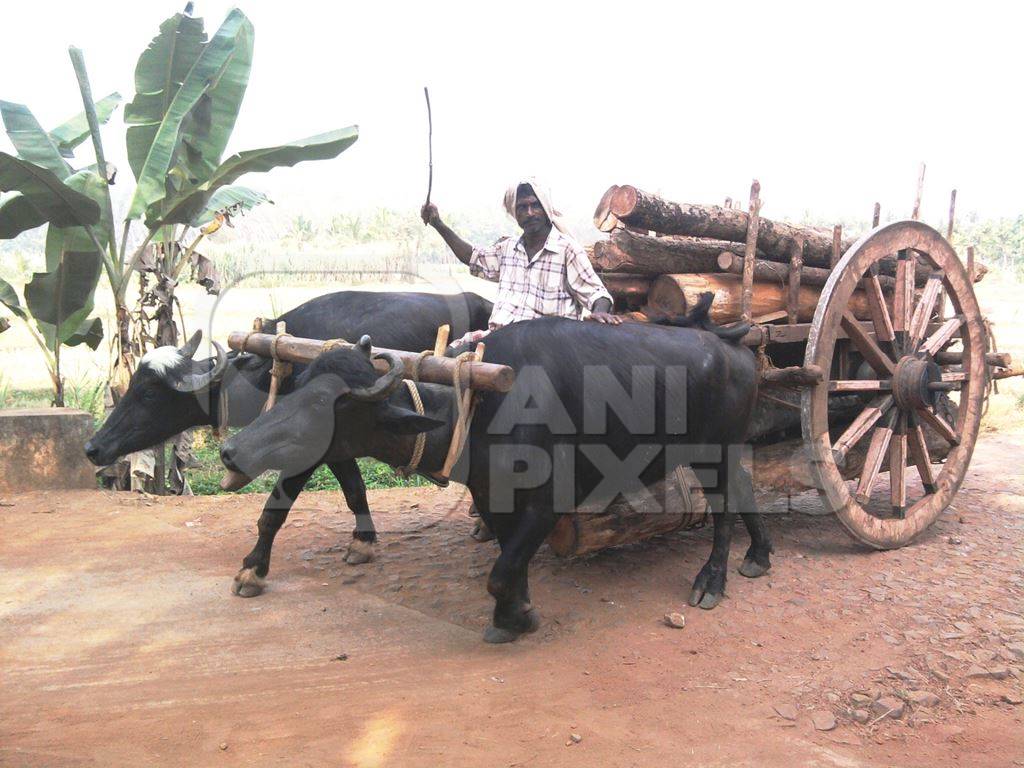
x,y
910,383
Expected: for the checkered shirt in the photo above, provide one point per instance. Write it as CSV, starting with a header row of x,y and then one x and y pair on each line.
x,y
558,281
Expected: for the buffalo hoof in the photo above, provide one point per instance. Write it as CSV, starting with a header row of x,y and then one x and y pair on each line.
x,y
481,532
496,635
358,552
708,589
528,622
752,569
248,584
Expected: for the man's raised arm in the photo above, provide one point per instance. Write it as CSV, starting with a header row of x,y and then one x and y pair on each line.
x,y
462,250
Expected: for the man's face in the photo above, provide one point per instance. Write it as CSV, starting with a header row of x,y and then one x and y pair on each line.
x,y
530,214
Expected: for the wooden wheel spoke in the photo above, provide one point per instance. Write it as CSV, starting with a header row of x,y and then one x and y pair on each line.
x,y
925,307
903,298
898,469
878,308
940,425
873,461
923,460
861,426
943,335
860,385
867,346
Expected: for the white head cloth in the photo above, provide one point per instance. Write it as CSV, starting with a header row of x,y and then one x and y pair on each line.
x,y
543,194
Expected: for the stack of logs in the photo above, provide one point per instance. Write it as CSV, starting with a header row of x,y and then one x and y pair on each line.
x,y
661,255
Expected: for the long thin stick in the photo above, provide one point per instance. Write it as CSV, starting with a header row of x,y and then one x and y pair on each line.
x,y
430,144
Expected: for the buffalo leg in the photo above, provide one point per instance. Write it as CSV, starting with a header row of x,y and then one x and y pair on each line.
x,y
251,580
709,586
757,561
508,582
364,536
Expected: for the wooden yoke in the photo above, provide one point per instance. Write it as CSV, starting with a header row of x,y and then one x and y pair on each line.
x,y
431,368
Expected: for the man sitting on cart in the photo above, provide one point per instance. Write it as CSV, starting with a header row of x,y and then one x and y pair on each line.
x,y
545,272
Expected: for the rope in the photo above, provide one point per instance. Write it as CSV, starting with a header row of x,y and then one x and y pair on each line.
x,y
421,437
279,370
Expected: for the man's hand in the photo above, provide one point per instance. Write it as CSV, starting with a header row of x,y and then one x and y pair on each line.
x,y
605,317
429,214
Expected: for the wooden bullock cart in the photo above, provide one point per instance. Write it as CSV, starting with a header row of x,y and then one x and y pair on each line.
x,y
875,357
887,358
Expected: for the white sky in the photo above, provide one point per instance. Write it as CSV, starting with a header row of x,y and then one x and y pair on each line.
x,y
832,106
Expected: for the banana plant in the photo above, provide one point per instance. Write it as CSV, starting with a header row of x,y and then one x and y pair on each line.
x,y
188,94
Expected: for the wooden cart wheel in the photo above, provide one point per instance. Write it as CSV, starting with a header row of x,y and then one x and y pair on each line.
x,y
902,344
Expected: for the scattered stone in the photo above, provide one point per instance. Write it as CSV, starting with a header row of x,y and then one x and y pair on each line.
x,y
785,711
993,673
823,721
1012,698
983,656
955,540
575,738
819,655
888,706
923,698
964,626
1017,649
675,620
223,746
340,656
862,699
832,698
891,640
860,715
901,674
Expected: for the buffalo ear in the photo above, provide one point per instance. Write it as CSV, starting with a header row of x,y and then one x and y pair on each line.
x,y
404,422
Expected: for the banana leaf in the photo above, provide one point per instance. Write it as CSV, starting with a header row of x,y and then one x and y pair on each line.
x,y
43,198
63,298
17,215
207,127
212,64
9,298
159,73
31,141
61,240
228,198
189,204
73,132
90,332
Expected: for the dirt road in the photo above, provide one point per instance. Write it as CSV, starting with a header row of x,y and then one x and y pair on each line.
x,y
120,644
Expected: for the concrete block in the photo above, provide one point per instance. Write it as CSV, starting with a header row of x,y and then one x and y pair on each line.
x,y
44,449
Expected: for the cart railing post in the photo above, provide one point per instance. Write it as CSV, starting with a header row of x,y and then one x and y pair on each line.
x,y
750,253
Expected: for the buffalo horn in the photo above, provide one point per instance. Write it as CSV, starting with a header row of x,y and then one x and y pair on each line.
x,y
365,345
196,382
384,385
189,350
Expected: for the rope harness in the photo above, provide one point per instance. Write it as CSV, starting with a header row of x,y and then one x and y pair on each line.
x,y
465,398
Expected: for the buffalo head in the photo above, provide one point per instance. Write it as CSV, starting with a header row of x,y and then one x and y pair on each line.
x,y
167,394
339,408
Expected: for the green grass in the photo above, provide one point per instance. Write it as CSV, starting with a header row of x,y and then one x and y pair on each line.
x,y
205,480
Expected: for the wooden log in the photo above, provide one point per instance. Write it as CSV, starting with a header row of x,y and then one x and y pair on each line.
x,y
777,272
432,369
674,294
994,359
630,252
676,503
793,376
629,291
646,211
604,219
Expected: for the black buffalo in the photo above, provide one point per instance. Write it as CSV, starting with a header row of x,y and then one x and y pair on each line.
x,y
170,392
595,410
